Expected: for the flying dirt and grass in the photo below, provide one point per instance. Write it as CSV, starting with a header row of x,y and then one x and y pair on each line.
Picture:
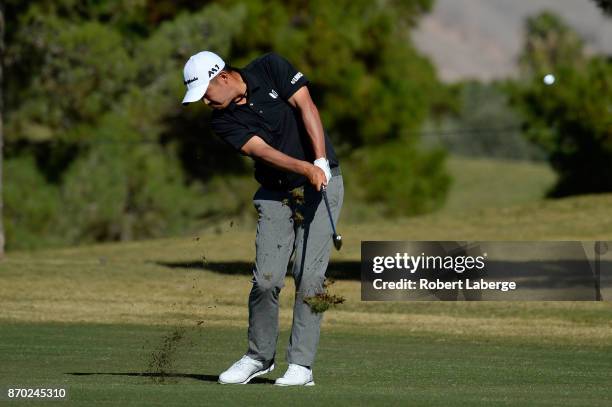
x,y
153,323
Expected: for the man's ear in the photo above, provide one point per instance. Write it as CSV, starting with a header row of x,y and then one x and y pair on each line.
x,y
223,76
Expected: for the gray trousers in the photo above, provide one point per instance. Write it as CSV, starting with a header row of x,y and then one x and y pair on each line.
x,y
289,226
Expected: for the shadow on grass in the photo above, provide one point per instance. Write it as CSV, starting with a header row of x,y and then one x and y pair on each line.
x,y
339,270
201,377
551,275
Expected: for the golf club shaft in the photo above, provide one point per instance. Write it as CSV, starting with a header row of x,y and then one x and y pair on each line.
x,y
324,192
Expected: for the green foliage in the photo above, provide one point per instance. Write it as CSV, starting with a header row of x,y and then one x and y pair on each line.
x,y
408,181
85,70
93,109
89,88
160,57
550,43
370,84
125,191
154,103
31,206
570,118
229,195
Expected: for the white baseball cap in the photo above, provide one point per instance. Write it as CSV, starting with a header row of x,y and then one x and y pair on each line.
x,y
199,70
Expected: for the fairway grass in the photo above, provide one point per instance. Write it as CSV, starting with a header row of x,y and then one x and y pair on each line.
x,y
107,365
90,317
495,183
477,183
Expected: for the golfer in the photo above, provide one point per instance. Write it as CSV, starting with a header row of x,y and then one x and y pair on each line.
x,y
265,111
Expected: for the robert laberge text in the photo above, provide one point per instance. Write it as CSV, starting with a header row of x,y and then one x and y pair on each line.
x,y
425,284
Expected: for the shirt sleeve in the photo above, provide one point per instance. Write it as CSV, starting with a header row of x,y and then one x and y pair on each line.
x,y
233,133
286,78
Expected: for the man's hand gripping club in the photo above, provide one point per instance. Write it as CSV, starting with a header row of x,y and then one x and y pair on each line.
x,y
257,148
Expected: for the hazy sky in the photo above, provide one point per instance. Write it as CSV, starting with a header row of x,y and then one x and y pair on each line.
x,y
482,38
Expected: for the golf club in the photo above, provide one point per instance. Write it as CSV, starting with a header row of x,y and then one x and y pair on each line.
x,y
600,248
336,237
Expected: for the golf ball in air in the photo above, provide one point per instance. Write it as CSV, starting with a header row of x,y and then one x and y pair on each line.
x,y
549,79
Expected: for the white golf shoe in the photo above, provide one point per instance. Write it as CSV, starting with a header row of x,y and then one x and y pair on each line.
x,y
296,375
243,371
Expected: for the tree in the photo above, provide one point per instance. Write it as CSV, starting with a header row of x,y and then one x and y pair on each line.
x,y
549,44
88,112
373,88
569,117
88,85
369,81
605,5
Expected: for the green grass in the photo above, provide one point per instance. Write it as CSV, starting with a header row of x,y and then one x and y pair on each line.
x,y
477,184
106,365
101,310
494,183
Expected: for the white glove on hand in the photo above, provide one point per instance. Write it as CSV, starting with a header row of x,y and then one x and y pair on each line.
x,y
323,164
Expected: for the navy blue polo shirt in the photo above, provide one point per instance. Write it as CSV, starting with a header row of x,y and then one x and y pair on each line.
x,y
271,80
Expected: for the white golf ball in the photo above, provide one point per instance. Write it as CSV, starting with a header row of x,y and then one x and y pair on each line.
x,y
549,79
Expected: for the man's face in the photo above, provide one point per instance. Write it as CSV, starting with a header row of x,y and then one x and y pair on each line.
x,y
219,93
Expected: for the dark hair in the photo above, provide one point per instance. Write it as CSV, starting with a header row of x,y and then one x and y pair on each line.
x,y
229,68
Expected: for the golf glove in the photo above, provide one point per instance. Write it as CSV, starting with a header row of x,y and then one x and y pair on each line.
x,y
323,164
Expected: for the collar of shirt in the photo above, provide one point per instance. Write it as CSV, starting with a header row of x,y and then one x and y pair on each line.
x,y
252,83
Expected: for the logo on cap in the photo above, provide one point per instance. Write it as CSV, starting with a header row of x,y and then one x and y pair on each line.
x,y
195,74
213,71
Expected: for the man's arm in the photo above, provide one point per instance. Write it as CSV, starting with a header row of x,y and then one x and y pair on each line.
x,y
258,148
312,121
291,86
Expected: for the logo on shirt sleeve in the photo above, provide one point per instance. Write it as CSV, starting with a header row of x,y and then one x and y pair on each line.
x,y
273,94
296,77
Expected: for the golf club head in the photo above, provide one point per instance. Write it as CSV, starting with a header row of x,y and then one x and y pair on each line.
x,y
601,247
337,242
